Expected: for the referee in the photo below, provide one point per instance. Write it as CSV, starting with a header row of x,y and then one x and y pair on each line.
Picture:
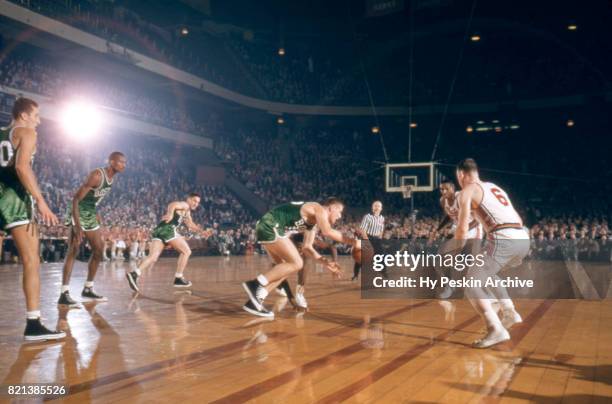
x,y
374,225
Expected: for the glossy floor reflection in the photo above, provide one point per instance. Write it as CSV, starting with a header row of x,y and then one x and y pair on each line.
x,y
199,346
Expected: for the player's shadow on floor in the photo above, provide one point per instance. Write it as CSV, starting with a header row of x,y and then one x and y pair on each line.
x,y
507,371
583,372
209,307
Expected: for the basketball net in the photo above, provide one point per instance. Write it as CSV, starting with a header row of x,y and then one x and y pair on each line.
x,y
407,191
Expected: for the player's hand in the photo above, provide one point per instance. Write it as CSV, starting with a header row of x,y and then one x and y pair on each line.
x,y
47,217
166,218
78,233
331,266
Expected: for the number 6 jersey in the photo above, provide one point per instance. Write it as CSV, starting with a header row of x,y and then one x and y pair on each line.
x,y
495,211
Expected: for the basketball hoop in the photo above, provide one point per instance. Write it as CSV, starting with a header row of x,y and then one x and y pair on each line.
x,y
407,191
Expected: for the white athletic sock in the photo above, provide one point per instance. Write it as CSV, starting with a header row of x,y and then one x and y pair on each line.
x,y
137,270
33,315
89,284
263,281
262,293
506,304
492,320
65,288
178,275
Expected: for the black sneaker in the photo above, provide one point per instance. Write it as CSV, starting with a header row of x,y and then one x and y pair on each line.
x,y
66,300
250,308
132,278
35,331
181,283
256,293
284,290
89,294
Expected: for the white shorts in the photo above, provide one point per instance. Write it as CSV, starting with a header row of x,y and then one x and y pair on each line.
x,y
506,248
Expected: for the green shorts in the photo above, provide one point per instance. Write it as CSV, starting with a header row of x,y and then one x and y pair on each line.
x,y
165,233
16,207
87,218
268,230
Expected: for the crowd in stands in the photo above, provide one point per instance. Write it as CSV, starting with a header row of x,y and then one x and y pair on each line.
x,y
355,73
41,77
310,163
156,175
127,28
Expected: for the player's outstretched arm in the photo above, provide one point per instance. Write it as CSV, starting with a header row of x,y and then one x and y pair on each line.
x,y
309,250
444,222
326,229
308,245
173,206
26,139
465,207
191,225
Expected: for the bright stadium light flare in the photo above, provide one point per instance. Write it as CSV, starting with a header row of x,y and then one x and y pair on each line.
x,y
81,120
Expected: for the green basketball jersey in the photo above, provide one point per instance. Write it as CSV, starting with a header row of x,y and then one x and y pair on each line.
x,y
8,174
95,196
289,218
177,220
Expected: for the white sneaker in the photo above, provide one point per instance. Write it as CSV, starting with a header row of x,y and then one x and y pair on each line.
x,y
281,292
300,300
510,318
493,337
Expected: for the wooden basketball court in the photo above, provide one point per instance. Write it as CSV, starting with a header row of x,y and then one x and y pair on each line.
x,y
167,346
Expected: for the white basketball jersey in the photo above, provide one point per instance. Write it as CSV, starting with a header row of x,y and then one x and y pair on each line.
x,y
452,210
496,210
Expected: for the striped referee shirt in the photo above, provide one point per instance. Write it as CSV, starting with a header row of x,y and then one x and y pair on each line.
x,y
373,225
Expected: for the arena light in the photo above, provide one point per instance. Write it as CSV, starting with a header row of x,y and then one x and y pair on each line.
x,y
281,51
413,125
475,38
572,27
280,120
184,31
570,123
80,120
375,129
469,129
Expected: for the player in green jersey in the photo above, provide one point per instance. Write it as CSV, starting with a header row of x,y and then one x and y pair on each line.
x,y
83,217
273,231
166,233
19,193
